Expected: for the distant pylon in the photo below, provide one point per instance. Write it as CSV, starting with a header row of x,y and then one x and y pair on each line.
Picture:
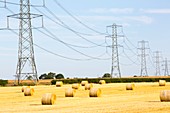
x,y
143,47
115,68
26,67
166,68
157,62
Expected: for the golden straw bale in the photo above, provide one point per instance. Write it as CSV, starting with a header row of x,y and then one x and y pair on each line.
x,y
130,86
76,86
69,92
28,91
48,99
88,86
23,88
102,82
95,92
83,83
165,96
162,82
59,83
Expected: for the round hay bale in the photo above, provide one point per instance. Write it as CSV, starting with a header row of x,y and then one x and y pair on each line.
x,y
59,83
48,99
95,92
23,88
130,86
162,82
102,82
83,83
76,86
28,91
69,92
88,86
165,96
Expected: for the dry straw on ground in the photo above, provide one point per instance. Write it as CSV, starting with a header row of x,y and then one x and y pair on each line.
x,y
59,83
115,99
69,92
88,86
95,92
83,83
76,86
102,82
162,82
130,86
28,91
48,99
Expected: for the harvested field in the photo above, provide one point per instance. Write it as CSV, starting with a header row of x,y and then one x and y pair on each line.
x,y
145,98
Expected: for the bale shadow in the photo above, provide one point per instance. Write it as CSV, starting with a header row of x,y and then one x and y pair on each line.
x,y
153,101
35,104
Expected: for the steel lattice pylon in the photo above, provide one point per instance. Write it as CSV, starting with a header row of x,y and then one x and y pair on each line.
x,y
166,69
115,68
26,66
157,62
143,58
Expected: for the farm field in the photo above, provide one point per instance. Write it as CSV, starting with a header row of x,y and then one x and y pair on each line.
x,y
145,98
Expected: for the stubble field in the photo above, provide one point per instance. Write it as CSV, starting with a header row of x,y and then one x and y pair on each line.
x,y
145,98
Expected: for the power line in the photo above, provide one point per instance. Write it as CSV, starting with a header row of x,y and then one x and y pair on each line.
x,y
53,53
54,37
68,45
75,18
18,4
65,26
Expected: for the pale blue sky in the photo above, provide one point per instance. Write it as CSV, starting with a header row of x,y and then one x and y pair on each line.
x,y
141,19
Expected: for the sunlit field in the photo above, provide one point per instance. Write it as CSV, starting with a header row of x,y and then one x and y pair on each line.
x,y
145,98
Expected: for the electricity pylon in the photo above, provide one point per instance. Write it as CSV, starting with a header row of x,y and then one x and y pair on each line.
x,y
26,67
143,55
166,68
115,68
157,62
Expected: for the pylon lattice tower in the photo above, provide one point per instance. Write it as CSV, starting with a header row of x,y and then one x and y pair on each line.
x,y
143,57
26,63
166,70
157,63
26,66
115,68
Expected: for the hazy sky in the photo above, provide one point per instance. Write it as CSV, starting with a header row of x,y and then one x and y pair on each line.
x,y
76,29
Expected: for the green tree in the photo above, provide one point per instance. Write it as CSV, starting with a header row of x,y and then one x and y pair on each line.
x,y
43,76
50,75
107,75
59,76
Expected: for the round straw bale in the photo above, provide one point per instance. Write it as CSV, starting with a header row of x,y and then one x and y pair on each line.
x,y
83,83
102,82
162,82
88,86
95,92
48,99
59,83
23,88
69,92
76,86
165,95
130,86
28,91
